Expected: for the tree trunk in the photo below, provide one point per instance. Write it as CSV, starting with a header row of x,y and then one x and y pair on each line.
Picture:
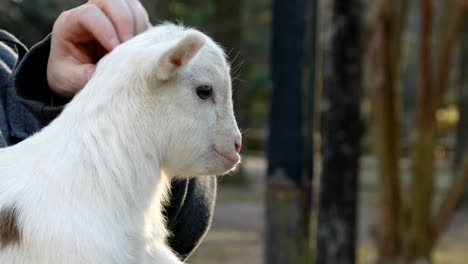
x,y
461,146
341,130
410,232
384,55
422,184
448,40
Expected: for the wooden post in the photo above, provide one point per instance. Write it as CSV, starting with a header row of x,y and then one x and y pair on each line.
x,y
341,130
290,152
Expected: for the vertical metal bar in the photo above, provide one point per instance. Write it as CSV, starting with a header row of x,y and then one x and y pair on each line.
x,y
290,152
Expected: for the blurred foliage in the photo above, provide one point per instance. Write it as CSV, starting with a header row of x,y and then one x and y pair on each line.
x,y
30,20
447,118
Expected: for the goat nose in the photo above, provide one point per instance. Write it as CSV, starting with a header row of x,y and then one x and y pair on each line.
x,y
237,143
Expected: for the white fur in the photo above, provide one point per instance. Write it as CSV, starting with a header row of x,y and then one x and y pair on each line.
x,y
89,187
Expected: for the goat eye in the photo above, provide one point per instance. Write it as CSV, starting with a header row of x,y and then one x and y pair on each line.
x,y
204,91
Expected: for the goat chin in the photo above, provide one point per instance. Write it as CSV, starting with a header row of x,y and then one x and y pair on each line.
x,y
90,187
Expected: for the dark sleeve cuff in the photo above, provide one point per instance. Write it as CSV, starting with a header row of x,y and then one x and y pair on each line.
x,y
190,213
31,87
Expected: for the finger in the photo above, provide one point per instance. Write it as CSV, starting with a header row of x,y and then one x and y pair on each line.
x,y
120,15
78,77
81,75
140,16
87,23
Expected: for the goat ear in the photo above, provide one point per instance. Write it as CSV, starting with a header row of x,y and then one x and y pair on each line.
x,y
179,55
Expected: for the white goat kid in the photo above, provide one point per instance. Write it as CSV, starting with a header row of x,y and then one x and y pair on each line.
x,y
89,188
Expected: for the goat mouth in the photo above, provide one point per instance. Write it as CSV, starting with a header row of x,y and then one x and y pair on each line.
x,y
230,159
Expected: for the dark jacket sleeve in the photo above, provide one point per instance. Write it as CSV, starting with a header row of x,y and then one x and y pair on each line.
x,y
192,201
32,89
190,213
16,122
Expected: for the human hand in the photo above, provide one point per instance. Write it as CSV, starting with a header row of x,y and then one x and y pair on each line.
x,y
83,35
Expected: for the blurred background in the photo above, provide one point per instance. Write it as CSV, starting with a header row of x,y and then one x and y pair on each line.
x,y
354,116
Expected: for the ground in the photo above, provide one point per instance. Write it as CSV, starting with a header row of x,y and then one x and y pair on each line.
x,y
237,232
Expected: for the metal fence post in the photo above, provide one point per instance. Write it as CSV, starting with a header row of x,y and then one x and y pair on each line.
x,y
290,144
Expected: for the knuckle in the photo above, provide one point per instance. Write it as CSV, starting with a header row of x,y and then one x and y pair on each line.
x,y
64,14
76,14
63,18
87,9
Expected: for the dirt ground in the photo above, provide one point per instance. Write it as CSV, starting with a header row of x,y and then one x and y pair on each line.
x,y
237,232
